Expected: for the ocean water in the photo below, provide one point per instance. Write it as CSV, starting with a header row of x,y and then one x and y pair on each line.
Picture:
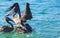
x,y
45,21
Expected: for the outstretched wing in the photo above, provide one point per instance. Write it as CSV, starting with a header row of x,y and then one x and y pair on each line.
x,y
11,12
14,9
27,15
15,13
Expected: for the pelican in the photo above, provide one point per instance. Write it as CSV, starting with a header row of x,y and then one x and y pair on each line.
x,y
21,19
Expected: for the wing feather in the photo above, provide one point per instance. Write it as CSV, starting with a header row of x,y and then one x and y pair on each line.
x,y
27,15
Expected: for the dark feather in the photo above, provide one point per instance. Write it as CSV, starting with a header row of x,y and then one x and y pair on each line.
x,y
27,15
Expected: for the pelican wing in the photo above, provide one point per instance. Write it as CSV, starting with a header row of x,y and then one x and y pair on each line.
x,y
15,12
27,15
14,9
11,12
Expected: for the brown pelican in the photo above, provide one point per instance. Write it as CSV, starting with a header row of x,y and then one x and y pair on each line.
x,y
21,19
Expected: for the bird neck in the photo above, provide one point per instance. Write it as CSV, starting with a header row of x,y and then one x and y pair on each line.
x,y
11,25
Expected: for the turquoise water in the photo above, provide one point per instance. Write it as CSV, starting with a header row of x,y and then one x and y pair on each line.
x,y
45,22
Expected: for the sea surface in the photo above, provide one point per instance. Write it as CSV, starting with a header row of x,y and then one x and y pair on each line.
x,y
45,21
